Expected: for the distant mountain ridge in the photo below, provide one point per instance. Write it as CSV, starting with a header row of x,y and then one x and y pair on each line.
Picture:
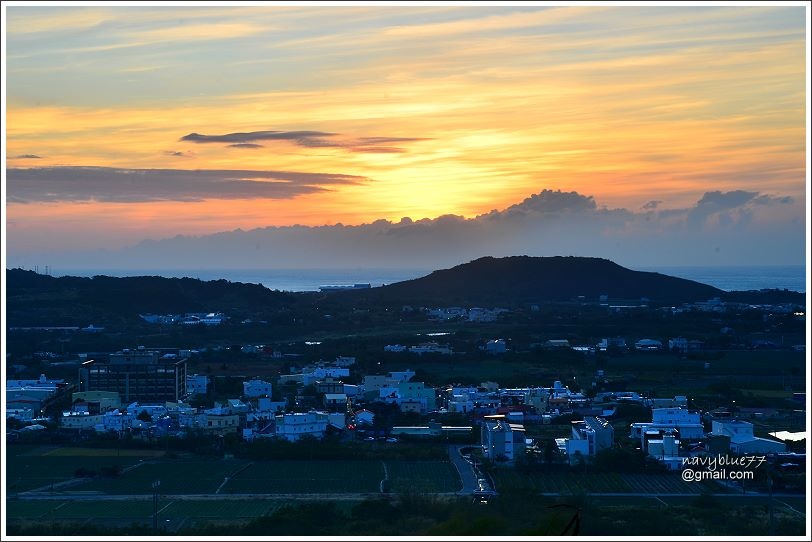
x,y
34,299
523,279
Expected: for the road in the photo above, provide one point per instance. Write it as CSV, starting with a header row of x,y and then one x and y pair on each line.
x,y
465,469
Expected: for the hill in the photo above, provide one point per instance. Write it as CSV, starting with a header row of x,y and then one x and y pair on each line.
x,y
524,279
33,299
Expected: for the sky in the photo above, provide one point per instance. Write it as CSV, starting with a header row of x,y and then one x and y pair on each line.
x,y
338,134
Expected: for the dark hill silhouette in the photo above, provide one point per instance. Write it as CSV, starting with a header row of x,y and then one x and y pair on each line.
x,y
523,279
101,297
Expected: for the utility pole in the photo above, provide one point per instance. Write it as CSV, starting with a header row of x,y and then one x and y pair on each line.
x,y
155,485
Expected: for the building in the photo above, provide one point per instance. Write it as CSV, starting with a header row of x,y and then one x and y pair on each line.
x,y
430,348
666,451
589,437
686,423
648,345
742,440
137,375
293,426
197,384
502,441
256,388
96,402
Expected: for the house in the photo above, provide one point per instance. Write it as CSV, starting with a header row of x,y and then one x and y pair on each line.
x,y
256,388
265,404
221,422
502,441
329,385
666,451
589,437
685,422
293,426
79,420
364,417
742,440
335,400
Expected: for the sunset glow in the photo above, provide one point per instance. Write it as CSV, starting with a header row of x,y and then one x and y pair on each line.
x,y
422,110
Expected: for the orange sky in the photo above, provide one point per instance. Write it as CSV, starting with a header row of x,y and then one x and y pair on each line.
x,y
626,104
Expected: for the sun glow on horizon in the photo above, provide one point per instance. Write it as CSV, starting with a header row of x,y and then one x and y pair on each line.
x,y
368,113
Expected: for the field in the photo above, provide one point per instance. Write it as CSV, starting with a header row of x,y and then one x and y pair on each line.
x,y
183,476
423,476
32,467
307,477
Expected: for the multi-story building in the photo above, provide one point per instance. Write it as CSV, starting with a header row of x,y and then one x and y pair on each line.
x,y
294,426
137,375
256,388
589,437
502,441
685,422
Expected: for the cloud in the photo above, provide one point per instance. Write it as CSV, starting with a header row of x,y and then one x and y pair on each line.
x,y
301,137
549,223
651,205
307,139
246,145
25,156
770,200
175,153
548,202
141,185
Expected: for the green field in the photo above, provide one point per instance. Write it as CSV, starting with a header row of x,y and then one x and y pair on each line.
x,y
32,467
423,476
307,477
177,476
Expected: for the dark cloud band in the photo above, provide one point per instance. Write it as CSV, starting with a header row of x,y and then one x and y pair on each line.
x,y
142,185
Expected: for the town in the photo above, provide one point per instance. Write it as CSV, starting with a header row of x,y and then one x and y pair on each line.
x,y
422,412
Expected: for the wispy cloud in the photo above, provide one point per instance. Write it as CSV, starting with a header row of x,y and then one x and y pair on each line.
x,y
306,138
25,157
78,184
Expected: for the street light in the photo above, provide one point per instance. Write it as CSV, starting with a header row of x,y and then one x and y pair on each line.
x,y
155,485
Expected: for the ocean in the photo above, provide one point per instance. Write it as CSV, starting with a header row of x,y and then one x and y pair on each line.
x,y
790,277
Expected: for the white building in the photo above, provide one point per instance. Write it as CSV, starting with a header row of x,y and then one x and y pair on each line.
x,y
294,426
502,441
666,451
684,421
589,437
742,440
